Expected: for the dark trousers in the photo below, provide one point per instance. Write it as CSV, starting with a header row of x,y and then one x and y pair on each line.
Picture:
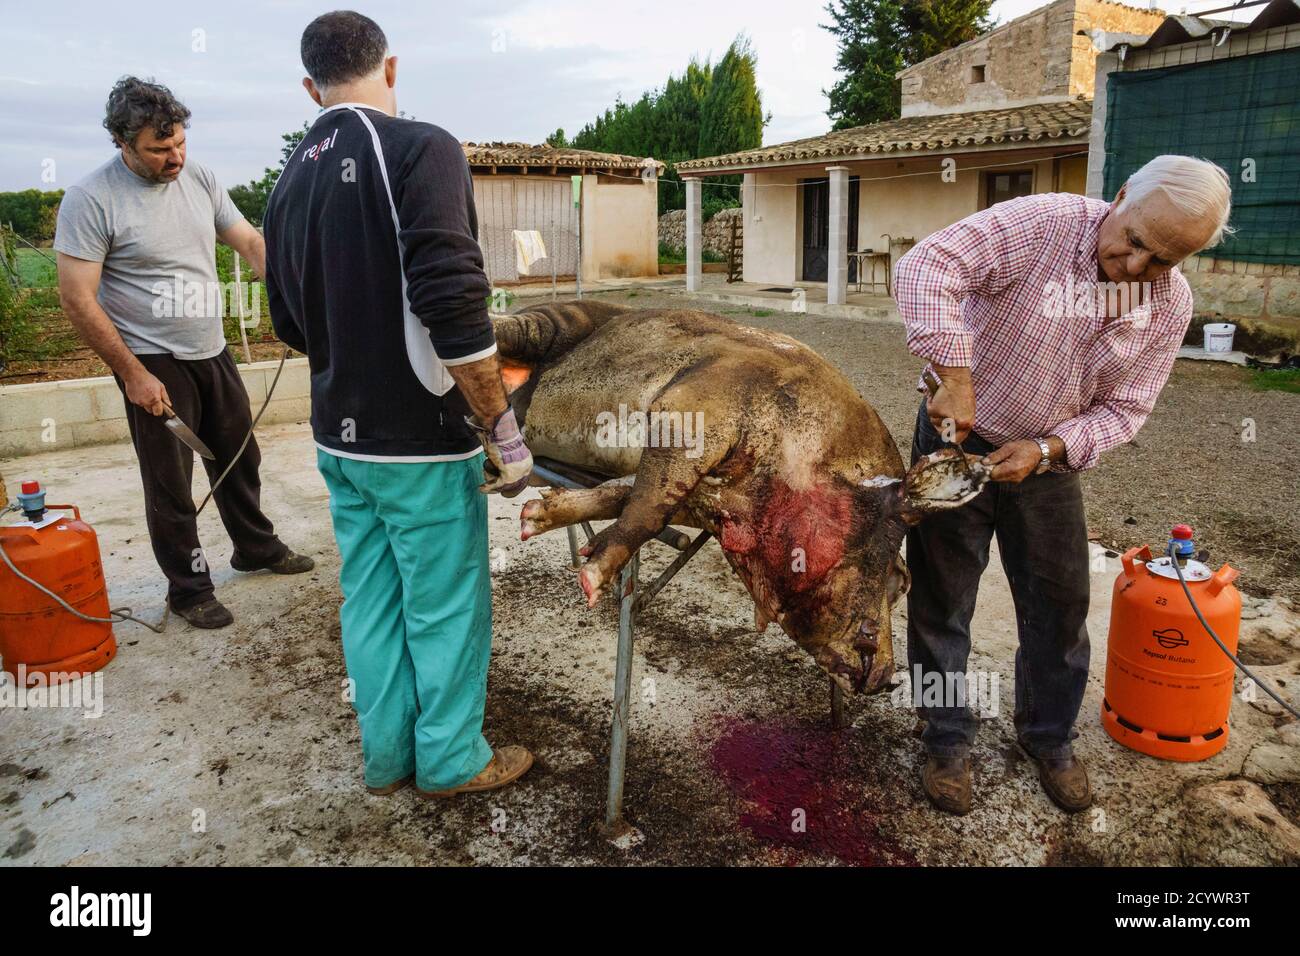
x,y
1043,541
209,396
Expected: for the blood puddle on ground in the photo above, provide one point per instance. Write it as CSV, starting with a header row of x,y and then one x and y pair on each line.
x,y
801,789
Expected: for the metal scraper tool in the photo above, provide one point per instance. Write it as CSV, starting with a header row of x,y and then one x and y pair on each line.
x,y
933,384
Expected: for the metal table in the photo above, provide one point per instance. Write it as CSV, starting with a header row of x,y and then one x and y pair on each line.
x,y
866,257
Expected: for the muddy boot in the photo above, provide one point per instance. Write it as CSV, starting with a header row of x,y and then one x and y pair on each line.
x,y
288,563
210,614
946,781
1064,780
390,788
507,765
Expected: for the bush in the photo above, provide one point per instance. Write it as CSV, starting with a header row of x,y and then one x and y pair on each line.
x,y
32,212
712,205
226,274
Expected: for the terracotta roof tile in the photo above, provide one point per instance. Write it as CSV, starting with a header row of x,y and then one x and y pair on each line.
x,y
990,128
524,154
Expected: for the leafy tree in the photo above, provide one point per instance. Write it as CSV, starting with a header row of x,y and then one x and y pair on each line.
x,y
703,111
32,212
933,26
731,116
878,38
250,198
558,139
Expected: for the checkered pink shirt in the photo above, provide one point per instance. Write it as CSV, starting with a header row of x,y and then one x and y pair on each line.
x,y
1008,292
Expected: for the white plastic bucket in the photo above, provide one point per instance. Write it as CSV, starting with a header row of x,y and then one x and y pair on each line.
x,y
1218,336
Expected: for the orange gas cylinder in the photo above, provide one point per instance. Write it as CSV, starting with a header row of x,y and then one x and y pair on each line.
x,y
62,554
1168,685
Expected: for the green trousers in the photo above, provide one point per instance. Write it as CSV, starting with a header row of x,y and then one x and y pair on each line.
x,y
417,613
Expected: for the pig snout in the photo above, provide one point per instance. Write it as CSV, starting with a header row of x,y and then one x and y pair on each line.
x,y
877,658
864,665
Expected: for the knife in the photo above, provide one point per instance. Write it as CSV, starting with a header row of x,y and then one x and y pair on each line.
x,y
186,436
933,384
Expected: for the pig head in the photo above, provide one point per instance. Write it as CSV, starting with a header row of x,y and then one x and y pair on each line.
x,y
824,563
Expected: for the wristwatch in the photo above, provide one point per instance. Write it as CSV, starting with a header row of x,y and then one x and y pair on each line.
x,y
1045,462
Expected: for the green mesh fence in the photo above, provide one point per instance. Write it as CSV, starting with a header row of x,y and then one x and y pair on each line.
x,y
1244,114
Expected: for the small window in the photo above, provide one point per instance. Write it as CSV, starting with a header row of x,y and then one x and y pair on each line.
x,y
977,74
1000,187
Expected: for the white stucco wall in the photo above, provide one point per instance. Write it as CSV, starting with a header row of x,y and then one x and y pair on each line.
x,y
772,233
620,228
907,205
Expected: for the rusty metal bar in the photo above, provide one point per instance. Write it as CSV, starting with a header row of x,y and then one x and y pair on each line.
x,y
837,707
647,593
574,559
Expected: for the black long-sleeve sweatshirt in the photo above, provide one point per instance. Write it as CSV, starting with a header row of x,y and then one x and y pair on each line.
x,y
375,272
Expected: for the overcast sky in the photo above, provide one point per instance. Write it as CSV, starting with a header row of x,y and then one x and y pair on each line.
x,y
483,69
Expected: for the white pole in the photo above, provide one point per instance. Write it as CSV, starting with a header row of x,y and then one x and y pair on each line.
x,y
239,304
578,277
694,233
837,269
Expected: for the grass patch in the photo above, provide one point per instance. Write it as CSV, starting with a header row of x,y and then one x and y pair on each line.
x,y
35,271
674,256
1276,380
258,310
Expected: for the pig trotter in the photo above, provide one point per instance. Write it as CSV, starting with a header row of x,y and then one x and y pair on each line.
x,y
592,583
559,508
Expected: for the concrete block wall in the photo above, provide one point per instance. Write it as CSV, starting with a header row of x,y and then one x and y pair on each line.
x,y
1036,58
43,416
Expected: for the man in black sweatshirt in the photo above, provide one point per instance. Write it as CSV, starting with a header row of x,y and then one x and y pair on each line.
x,y
374,271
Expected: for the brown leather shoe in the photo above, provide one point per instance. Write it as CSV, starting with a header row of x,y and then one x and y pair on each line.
x,y
946,781
1065,781
391,788
209,615
507,765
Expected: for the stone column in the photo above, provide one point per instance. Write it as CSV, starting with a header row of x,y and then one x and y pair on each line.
x,y
694,233
837,268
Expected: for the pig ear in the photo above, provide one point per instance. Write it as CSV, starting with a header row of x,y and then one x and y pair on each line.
x,y
940,481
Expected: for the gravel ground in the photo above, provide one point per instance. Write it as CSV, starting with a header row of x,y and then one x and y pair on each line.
x,y
237,748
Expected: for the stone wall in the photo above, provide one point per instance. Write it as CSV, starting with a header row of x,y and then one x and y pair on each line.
x,y
1035,58
1250,293
717,231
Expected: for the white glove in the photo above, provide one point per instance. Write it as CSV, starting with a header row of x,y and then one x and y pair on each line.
x,y
509,462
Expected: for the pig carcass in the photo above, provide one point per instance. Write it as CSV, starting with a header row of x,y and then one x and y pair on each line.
x,y
700,422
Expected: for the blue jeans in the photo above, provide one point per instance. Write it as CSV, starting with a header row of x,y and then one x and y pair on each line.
x,y
1043,540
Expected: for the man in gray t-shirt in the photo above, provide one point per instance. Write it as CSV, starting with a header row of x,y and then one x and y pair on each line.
x,y
136,241
156,241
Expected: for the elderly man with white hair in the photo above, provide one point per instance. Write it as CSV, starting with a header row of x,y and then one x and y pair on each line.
x,y
1051,323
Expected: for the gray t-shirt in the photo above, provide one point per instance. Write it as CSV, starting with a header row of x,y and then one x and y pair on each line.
x,y
157,242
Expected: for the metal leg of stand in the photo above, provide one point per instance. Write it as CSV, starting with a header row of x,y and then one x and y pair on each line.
x,y
574,560
622,693
837,707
